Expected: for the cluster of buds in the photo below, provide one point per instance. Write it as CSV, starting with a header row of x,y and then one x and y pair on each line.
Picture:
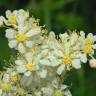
x,y
42,58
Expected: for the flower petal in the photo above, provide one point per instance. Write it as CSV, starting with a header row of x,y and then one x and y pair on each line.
x,y
21,48
94,46
28,73
8,13
45,62
60,69
83,58
28,57
43,73
76,63
21,69
94,37
33,32
12,43
10,33
29,43
19,62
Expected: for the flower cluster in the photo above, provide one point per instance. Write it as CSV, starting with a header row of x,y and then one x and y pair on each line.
x,y
42,58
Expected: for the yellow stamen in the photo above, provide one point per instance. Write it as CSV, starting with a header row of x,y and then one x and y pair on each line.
x,y
67,59
14,77
88,41
5,86
29,67
21,37
58,93
12,19
87,49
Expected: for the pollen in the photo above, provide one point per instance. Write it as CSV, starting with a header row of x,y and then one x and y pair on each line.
x,y
88,41
12,19
5,86
21,37
29,67
87,49
58,93
67,59
14,77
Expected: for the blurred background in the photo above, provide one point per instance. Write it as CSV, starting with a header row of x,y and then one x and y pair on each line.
x,y
59,16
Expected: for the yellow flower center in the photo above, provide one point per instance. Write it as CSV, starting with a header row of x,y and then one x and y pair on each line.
x,y
87,49
29,67
67,59
12,19
14,77
5,86
21,37
88,41
58,93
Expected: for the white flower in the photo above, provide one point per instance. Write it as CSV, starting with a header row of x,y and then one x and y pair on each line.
x,y
20,40
50,52
26,65
16,17
63,91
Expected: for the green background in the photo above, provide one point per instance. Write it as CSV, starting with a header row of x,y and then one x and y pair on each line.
x,y
59,16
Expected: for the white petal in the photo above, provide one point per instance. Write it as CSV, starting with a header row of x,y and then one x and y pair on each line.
x,y
58,53
38,93
8,13
54,63
2,19
90,35
44,53
94,46
21,48
29,43
63,87
0,92
28,73
21,69
36,67
67,93
12,43
19,62
45,62
60,69
82,33
20,21
10,33
28,57
94,37
76,63
83,58
43,73
33,32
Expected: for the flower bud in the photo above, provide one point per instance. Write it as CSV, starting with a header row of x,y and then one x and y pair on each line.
x,y
92,63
